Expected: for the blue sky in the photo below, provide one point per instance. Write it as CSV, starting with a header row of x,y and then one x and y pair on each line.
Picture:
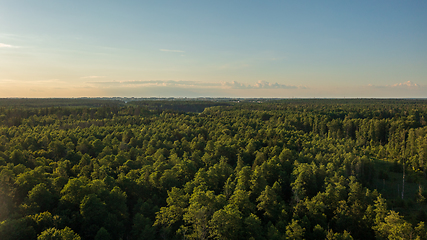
x,y
283,49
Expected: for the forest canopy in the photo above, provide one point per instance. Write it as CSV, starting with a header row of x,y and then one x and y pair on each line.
x,y
213,169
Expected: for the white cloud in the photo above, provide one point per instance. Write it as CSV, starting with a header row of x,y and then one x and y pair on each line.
x,y
168,50
197,84
159,83
260,85
264,84
3,45
405,84
235,84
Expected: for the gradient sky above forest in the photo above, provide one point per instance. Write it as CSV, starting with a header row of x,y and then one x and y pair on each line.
x,y
213,48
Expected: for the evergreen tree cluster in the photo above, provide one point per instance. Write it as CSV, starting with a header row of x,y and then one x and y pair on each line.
x,y
285,169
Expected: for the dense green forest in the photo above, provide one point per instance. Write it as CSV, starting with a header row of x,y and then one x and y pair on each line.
x,y
229,169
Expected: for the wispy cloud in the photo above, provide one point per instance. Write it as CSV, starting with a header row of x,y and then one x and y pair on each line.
x,y
92,77
33,81
261,85
407,84
264,84
158,83
169,50
236,85
3,45
197,84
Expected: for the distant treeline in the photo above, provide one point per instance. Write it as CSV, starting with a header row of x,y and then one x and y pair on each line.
x,y
149,104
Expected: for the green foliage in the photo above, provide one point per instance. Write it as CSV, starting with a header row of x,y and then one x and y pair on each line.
x,y
41,197
393,227
42,221
142,228
339,236
226,223
217,169
294,230
55,234
253,227
94,213
14,229
102,234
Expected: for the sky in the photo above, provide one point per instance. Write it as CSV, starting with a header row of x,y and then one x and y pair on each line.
x,y
280,49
